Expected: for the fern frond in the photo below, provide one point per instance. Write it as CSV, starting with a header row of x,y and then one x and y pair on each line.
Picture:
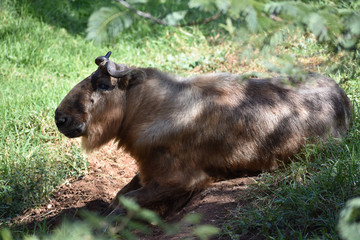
x,y
107,22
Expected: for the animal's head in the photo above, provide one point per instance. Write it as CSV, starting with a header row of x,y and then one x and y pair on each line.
x,y
95,107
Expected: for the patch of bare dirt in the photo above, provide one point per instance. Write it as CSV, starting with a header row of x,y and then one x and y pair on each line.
x,y
109,170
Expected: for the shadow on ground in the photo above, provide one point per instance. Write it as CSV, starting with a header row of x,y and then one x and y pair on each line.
x,y
68,14
110,170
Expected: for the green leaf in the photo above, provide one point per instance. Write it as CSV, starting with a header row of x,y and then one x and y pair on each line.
x,y
210,5
317,25
5,234
348,43
149,216
273,8
236,8
136,1
126,234
251,19
175,17
349,224
107,22
289,10
203,5
205,231
229,27
72,231
354,25
93,219
276,38
138,226
332,20
192,218
222,5
129,204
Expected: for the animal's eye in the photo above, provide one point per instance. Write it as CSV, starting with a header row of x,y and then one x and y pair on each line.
x,y
103,86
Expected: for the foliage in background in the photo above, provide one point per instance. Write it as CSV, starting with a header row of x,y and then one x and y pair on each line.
x,y
101,23
335,25
258,26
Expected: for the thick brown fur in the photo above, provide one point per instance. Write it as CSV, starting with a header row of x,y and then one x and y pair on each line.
x,y
184,132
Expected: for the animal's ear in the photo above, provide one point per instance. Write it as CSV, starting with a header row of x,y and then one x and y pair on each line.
x,y
130,78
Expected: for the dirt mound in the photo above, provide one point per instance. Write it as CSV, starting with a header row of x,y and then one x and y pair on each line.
x,y
109,170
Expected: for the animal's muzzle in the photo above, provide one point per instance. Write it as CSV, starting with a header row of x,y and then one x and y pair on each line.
x,y
67,126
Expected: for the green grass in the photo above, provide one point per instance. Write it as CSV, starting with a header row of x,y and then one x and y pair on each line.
x,y
44,53
302,201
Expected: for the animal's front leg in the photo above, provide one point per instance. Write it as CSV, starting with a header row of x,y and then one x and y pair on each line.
x,y
165,200
131,186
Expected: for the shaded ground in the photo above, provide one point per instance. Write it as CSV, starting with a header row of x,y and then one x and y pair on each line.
x,y
109,170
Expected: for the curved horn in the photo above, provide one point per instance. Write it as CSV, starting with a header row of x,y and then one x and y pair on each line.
x,y
101,59
108,54
111,68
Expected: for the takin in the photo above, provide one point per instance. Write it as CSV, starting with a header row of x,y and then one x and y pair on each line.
x,y
185,132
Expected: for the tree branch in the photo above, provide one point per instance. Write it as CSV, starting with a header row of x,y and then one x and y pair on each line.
x,y
163,22
204,21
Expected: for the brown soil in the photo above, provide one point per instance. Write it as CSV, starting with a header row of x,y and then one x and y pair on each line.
x,y
109,170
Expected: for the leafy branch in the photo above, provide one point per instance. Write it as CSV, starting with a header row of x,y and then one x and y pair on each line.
x,y
108,22
336,26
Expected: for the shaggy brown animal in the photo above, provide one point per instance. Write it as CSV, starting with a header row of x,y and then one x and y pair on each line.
x,y
185,132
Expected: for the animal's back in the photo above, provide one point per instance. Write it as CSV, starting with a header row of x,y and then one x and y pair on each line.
x,y
271,121
219,124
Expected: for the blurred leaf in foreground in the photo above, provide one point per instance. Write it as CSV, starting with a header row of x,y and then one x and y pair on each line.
x,y
349,221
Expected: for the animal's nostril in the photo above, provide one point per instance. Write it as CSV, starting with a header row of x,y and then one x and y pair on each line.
x,y
60,118
60,121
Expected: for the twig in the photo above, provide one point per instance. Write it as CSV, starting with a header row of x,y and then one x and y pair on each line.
x,y
142,14
204,21
163,22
